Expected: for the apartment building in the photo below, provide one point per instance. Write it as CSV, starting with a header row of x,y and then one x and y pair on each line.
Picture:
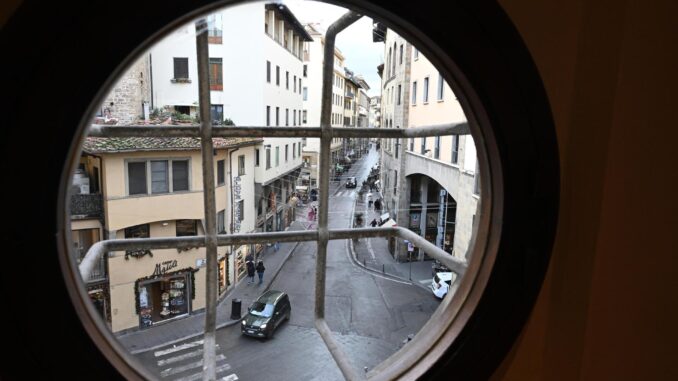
x,y
354,95
312,95
430,185
395,78
441,173
264,89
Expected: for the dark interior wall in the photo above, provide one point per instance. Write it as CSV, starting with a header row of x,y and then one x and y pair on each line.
x,y
608,306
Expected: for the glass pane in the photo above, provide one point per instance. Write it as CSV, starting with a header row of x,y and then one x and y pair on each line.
x,y
179,175
159,178
136,173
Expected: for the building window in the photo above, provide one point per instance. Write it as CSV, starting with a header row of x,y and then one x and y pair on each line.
x,y
441,86
436,148
277,156
305,71
455,149
241,210
277,116
401,54
241,165
136,172
138,231
399,93
299,85
294,150
299,150
221,222
294,82
412,144
395,181
159,176
305,94
216,74
294,117
397,147
277,75
256,157
287,80
180,68
423,146
221,170
214,31
414,93
217,114
186,228
268,71
268,115
268,158
425,95
416,54
476,181
286,152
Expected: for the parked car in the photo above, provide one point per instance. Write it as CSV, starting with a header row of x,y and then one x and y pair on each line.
x,y
441,283
265,314
351,182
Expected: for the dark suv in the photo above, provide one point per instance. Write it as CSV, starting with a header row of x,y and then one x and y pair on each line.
x,y
351,182
265,314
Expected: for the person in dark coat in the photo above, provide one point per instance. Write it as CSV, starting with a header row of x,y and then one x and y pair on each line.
x,y
250,271
260,271
373,223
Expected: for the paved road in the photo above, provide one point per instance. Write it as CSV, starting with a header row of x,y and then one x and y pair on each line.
x,y
369,315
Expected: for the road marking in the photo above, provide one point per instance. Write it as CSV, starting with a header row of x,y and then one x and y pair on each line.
x,y
181,357
196,364
178,348
219,369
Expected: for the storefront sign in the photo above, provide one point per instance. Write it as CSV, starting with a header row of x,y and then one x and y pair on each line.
x,y
200,262
163,267
236,207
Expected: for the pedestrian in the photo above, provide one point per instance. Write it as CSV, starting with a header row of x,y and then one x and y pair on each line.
x,y
369,200
374,222
260,270
250,271
276,246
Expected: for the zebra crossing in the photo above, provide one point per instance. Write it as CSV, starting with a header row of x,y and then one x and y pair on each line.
x,y
345,193
184,363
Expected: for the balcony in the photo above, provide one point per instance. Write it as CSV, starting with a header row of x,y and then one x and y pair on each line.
x,y
87,205
98,273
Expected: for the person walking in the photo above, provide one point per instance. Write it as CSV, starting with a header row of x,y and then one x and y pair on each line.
x,y
373,223
260,270
250,271
276,246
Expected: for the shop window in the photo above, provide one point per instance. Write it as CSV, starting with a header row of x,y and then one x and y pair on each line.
x,y
186,228
221,222
221,169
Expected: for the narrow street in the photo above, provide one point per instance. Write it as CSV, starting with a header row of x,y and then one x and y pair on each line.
x,y
370,315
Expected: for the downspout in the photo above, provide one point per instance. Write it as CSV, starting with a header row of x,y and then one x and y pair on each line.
x,y
230,186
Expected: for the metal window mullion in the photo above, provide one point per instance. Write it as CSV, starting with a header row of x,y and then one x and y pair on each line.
x,y
323,234
209,347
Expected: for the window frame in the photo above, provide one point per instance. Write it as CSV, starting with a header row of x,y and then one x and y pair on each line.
x,y
170,175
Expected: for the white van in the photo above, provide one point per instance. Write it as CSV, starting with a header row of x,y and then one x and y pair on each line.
x,y
441,283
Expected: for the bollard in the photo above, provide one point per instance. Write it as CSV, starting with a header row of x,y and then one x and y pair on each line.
x,y
382,269
235,309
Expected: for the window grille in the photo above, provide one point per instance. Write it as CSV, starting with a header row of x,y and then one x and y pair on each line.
x,y
215,223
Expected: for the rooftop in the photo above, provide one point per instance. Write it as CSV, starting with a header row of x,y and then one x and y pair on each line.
x,y
97,145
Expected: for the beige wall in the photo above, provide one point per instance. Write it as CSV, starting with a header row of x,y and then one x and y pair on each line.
x,y
123,211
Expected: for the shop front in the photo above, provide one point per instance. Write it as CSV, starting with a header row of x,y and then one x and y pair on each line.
x,y
241,253
164,296
223,275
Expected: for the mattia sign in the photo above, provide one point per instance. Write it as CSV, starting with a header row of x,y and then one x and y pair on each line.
x,y
165,266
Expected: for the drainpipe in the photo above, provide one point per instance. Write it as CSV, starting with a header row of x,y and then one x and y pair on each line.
x,y
230,187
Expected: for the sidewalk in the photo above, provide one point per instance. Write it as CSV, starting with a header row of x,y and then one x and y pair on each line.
x,y
193,325
373,253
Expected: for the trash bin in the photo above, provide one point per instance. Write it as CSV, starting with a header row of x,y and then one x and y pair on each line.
x,y
235,308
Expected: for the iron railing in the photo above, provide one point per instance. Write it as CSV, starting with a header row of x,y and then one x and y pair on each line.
x,y
322,235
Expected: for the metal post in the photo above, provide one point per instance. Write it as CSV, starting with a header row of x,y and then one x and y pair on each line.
x,y
209,357
323,233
